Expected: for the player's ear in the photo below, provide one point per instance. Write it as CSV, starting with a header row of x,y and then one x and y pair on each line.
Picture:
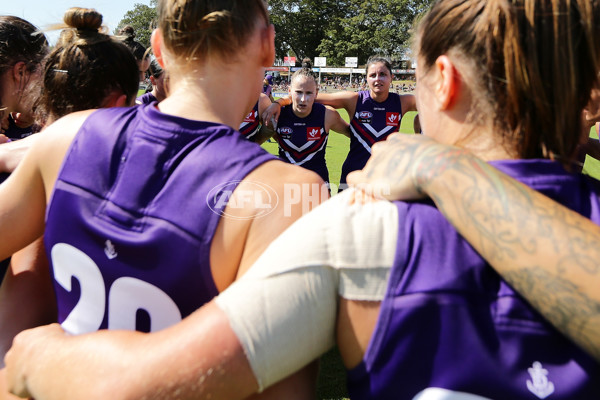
x,y
121,101
19,70
156,41
116,99
267,39
448,82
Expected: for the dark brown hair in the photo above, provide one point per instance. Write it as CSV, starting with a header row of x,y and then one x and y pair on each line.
x,y
20,42
85,67
197,30
530,63
378,59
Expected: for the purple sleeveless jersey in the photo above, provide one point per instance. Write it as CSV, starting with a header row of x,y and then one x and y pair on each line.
x,y
449,321
133,214
302,141
146,98
372,122
251,124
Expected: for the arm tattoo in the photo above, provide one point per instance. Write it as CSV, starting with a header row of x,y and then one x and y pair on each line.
x,y
546,252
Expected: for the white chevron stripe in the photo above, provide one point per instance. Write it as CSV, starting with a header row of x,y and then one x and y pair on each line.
x,y
378,133
360,139
310,156
304,147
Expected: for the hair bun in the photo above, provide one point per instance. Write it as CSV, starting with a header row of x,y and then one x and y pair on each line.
x,y
83,18
307,63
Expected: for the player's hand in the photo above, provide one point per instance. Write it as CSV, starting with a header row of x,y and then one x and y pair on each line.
x,y
24,357
271,115
397,169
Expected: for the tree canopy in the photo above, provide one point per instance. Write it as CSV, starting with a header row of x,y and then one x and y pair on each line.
x,y
323,28
344,28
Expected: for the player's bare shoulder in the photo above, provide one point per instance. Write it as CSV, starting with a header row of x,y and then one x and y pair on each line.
x,y
61,132
295,190
53,142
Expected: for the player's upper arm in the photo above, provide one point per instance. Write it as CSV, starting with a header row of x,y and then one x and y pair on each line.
x,y
263,103
345,99
24,195
288,192
408,103
284,309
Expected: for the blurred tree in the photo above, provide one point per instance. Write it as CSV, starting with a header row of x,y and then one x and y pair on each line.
x,y
344,28
382,27
300,26
322,28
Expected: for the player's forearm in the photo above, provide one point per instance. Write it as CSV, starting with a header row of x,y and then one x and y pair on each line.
x,y
592,148
342,127
26,295
193,359
547,252
264,134
12,153
56,366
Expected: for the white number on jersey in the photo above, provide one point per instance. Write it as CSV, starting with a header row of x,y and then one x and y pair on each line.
x,y
126,296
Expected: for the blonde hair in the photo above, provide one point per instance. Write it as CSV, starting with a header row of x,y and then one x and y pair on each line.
x,y
196,30
530,63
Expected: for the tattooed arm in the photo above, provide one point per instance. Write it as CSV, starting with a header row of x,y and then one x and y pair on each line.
x,y
548,253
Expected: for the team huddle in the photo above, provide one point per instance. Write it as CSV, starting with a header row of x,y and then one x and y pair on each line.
x,y
124,282
301,122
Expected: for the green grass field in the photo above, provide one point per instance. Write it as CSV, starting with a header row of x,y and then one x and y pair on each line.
x,y
592,166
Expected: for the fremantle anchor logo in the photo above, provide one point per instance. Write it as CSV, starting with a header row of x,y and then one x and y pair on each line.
x,y
313,133
393,118
539,384
109,250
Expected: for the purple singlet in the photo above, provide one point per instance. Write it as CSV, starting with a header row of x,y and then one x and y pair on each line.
x,y
302,141
251,124
449,321
133,214
372,122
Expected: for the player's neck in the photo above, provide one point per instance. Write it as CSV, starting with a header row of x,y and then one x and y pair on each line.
x,y
379,97
214,95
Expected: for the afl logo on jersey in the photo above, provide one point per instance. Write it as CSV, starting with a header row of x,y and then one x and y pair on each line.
x,y
365,117
259,199
250,117
392,119
313,134
285,132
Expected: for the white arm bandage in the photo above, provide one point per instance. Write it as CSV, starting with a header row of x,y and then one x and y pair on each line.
x,y
284,309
